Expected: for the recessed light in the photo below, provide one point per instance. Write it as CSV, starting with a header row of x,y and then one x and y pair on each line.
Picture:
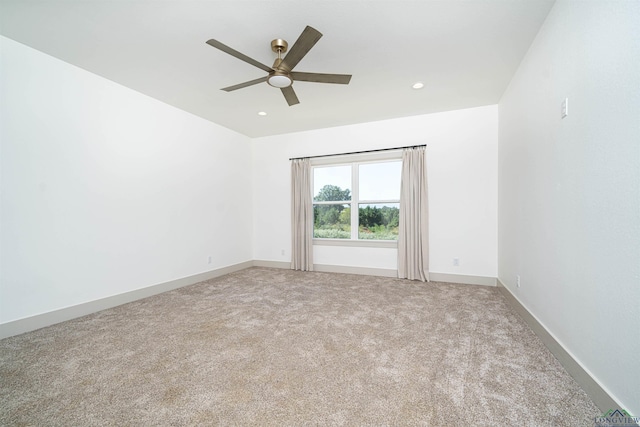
x,y
418,85
262,113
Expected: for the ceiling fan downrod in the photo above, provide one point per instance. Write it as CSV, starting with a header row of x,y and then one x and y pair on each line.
x,y
279,77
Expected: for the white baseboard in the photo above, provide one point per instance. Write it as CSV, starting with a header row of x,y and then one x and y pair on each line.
x,y
590,385
332,268
366,271
272,264
462,278
384,272
32,323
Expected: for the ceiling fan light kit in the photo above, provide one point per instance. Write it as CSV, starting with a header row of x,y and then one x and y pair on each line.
x,y
279,80
281,74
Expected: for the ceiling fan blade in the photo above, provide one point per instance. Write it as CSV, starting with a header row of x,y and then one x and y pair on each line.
x,y
290,95
305,42
245,84
342,79
223,47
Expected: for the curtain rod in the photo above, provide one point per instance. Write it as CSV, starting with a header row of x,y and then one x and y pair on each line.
x,y
357,152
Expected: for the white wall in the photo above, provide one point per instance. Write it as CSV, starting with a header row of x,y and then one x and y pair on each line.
x,y
462,174
105,190
569,189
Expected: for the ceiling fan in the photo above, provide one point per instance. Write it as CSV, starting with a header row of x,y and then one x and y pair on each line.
x,y
281,74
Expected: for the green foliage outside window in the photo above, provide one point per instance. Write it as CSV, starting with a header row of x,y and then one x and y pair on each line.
x,y
333,221
378,223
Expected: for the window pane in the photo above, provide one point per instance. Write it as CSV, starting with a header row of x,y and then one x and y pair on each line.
x,y
332,221
378,222
380,181
332,183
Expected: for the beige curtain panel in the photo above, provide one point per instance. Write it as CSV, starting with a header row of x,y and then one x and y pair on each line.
x,y
413,230
301,216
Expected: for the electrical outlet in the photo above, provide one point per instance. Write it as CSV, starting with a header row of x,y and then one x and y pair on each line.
x,y
456,262
282,252
518,280
209,259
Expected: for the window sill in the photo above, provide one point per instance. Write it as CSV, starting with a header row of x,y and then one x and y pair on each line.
x,y
356,243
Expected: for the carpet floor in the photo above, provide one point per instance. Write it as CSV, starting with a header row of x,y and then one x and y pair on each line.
x,y
277,347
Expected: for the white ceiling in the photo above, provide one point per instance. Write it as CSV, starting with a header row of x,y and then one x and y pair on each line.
x,y
465,52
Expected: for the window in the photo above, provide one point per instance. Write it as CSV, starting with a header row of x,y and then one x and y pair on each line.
x,y
357,200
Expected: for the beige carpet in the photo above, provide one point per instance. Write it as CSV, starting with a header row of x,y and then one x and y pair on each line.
x,y
277,347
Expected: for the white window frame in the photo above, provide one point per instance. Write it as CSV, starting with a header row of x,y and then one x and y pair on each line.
x,y
354,161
